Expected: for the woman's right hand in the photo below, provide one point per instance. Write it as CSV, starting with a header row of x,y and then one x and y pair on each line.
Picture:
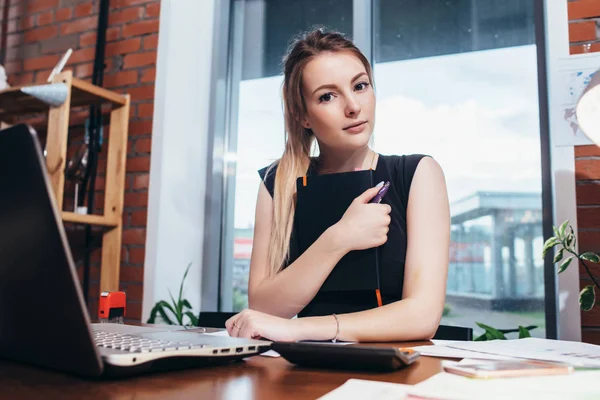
x,y
364,225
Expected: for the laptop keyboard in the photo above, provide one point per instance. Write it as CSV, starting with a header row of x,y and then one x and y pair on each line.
x,y
138,344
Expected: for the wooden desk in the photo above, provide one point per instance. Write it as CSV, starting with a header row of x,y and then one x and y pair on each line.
x,y
256,378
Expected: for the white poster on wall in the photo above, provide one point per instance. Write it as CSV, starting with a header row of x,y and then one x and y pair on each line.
x,y
568,75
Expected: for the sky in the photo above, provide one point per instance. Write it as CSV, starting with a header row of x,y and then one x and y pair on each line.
x,y
476,113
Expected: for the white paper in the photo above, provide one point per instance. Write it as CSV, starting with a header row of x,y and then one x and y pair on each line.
x,y
364,389
573,353
444,351
577,386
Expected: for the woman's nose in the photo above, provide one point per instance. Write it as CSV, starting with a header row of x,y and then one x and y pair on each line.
x,y
352,107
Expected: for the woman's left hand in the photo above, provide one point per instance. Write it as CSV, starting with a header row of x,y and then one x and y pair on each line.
x,y
255,325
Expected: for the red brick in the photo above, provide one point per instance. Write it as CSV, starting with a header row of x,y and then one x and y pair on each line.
x,y
134,311
140,127
22,79
134,292
145,110
143,145
139,218
123,47
122,78
138,164
63,14
113,33
45,18
587,169
588,193
153,10
87,39
588,241
15,12
136,199
14,40
132,274
141,181
79,25
126,3
125,15
140,28
82,55
84,10
142,93
139,59
149,75
34,6
41,76
590,335
588,217
151,42
35,35
583,9
587,151
134,236
84,70
582,31
27,22
579,48
40,62
137,255
593,267
13,67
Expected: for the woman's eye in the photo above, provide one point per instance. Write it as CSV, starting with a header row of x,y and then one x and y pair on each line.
x,y
325,98
361,86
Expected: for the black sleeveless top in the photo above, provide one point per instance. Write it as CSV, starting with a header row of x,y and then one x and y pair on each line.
x,y
399,170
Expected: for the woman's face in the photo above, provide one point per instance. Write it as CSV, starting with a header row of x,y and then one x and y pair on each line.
x,y
340,101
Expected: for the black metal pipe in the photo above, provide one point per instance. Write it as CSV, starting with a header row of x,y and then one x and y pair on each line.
x,y
94,127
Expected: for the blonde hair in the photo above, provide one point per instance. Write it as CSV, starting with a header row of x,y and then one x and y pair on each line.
x,y
295,160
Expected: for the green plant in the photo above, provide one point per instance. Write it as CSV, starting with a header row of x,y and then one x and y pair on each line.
x,y
493,333
180,308
447,310
565,238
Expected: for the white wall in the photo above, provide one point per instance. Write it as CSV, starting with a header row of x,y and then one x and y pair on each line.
x,y
179,150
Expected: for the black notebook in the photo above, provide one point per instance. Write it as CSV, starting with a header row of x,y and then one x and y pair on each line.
x,y
321,202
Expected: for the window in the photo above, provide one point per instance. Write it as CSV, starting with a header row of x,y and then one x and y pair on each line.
x,y
456,80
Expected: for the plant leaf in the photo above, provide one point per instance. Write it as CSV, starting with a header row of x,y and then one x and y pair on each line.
x,y
183,280
529,328
175,309
589,256
492,333
587,298
193,318
480,338
523,332
559,255
556,233
164,316
187,304
561,230
569,240
550,243
565,264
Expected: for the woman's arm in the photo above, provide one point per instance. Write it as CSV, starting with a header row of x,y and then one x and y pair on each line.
x,y
417,315
286,293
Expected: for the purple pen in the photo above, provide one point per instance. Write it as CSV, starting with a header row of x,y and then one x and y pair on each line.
x,y
381,193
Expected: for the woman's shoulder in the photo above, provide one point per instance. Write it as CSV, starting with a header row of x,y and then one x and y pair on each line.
x,y
267,175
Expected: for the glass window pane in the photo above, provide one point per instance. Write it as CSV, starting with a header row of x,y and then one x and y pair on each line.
x,y
268,27
458,80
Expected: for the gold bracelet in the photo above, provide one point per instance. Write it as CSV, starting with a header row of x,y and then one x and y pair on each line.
x,y
337,329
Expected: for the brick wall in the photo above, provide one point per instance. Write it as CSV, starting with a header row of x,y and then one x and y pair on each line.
x,y
39,32
584,16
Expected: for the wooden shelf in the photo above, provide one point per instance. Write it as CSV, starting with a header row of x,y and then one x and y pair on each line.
x,y
108,227
14,102
101,220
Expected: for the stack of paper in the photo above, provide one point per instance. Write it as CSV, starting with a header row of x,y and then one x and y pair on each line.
x,y
445,386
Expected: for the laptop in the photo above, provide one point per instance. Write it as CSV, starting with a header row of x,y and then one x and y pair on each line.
x,y
43,317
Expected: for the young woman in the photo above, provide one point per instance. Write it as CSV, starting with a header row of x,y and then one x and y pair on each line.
x,y
328,98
